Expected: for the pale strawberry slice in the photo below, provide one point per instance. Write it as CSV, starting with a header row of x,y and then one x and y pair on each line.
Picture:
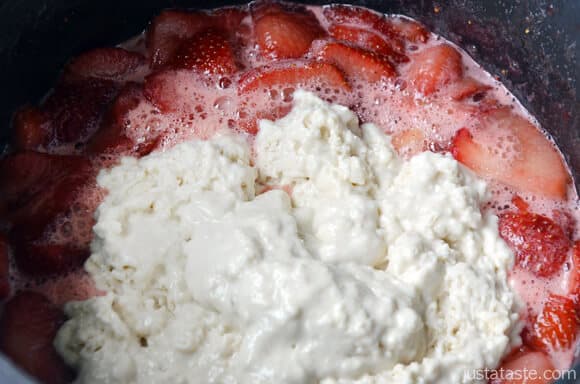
x,y
509,149
309,73
104,63
112,138
556,327
516,369
31,128
367,40
409,142
358,63
283,32
4,268
539,244
36,191
172,90
169,29
435,67
28,326
466,88
208,52
363,17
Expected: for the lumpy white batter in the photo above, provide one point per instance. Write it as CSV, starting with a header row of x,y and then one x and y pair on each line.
x,y
373,270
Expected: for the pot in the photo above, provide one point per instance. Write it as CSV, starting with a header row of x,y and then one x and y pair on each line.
x,y
530,46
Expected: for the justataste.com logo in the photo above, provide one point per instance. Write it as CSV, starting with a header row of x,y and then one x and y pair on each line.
x,y
524,375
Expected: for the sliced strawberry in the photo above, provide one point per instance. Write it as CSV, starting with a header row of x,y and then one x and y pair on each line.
x,y
75,109
208,52
284,33
516,369
104,63
435,67
308,74
367,40
358,63
172,90
409,30
37,192
4,268
364,17
31,128
30,183
556,327
409,142
112,138
539,244
509,149
169,29
28,326
466,88
229,18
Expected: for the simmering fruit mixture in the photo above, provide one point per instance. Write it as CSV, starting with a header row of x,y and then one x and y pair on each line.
x,y
207,81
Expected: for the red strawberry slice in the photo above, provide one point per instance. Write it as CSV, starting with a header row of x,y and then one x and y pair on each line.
x,y
539,244
229,18
309,73
367,40
435,67
409,30
358,63
104,63
466,88
363,17
4,268
112,138
520,203
208,52
31,128
284,33
28,326
513,369
509,149
169,29
556,327
37,191
75,109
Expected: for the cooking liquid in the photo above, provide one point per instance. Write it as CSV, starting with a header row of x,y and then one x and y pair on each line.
x,y
201,111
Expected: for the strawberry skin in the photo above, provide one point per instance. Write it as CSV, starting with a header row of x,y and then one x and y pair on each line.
x,y
308,73
28,326
282,33
539,244
435,67
208,52
556,327
532,163
31,128
358,63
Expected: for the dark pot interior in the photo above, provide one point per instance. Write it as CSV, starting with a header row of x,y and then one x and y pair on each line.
x,y
530,45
